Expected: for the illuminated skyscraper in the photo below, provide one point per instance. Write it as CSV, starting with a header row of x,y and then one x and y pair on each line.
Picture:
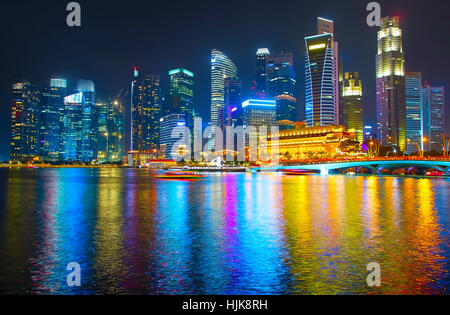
x,y
79,125
353,104
25,114
282,85
325,26
102,125
261,70
259,113
167,125
52,105
433,117
320,89
115,129
145,112
222,68
233,107
390,71
181,95
413,88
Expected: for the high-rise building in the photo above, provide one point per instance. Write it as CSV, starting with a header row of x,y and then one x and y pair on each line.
x,y
325,26
413,88
181,95
89,135
261,70
71,128
282,86
233,108
102,125
433,100
145,112
25,112
222,68
52,105
79,124
167,125
320,89
115,131
353,105
259,113
390,73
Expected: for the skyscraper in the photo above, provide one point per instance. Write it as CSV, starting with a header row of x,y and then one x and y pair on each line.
x,y
353,104
181,95
115,129
325,26
89,134
145,111
52,105
413,88
390,71
221,68
25,112
167,125
320,89
102,135
71,128
282,85
259,113
232,107
433,117
261,70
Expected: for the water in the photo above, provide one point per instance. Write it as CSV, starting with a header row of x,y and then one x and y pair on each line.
x,y
225,234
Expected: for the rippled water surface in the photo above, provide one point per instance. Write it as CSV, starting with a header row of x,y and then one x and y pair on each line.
x,y
224,234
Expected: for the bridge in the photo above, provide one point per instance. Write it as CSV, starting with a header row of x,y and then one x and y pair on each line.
x,y
375,165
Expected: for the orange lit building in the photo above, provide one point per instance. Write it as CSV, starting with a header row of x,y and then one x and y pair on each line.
x,y
303,142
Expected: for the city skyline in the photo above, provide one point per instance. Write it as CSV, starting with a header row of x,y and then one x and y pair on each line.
x,y
346,47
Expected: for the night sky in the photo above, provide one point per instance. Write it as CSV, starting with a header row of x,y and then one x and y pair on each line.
x,y
157,36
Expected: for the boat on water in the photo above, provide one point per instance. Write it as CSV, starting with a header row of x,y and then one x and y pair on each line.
x,y
299,172
180,175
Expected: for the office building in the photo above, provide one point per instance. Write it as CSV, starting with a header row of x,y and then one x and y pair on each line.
x,y
433,102
167,125
145,111
222,68
413,88
52,105
390,85
353,105
25,112
261,70
180,99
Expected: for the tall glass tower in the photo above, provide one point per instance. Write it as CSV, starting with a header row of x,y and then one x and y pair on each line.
x,y
353,104
320,89
52,106
181,95
145,112
413,87
282,88
261,70
24,121
390,70
433,117
222,68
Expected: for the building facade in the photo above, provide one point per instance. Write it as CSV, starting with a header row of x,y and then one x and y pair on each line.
x,y
25,114
433,117
181,95
414,126
52,105
320,88
167,125
222,68
282,87
261,70
353,105
390,74
145,111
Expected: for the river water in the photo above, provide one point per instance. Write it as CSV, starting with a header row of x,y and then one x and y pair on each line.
x,y
225,234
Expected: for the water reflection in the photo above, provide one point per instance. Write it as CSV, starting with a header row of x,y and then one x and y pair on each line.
x,y
230,234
